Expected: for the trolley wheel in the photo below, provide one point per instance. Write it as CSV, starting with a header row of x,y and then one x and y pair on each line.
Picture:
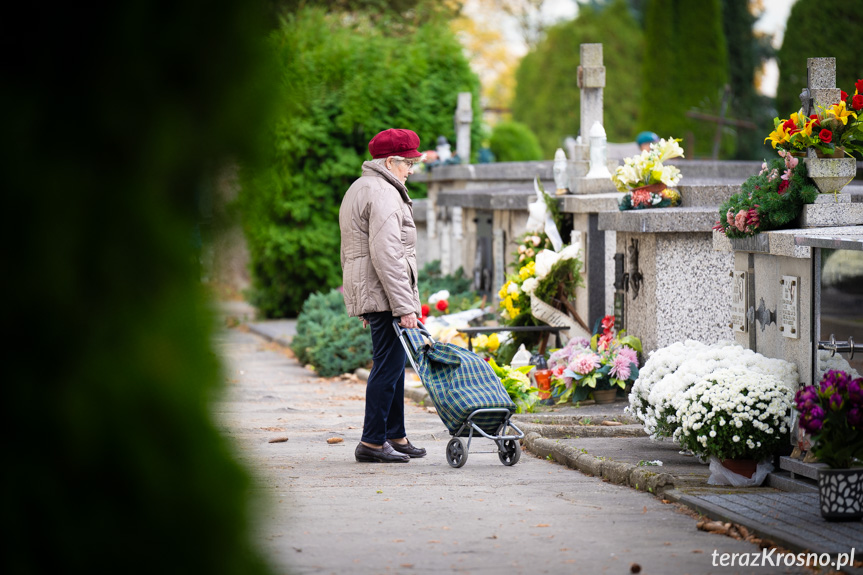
x,y
456,452
509,451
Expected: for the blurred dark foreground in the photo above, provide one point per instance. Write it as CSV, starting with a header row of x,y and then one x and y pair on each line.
x,y
112,116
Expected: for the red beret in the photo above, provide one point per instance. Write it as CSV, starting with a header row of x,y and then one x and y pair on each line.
x,y
395,142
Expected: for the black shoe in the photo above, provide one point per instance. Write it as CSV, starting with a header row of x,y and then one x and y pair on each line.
x,y
408,449
384,454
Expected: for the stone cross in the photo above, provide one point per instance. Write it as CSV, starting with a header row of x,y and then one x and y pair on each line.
x,y
821,83
591,81
463,119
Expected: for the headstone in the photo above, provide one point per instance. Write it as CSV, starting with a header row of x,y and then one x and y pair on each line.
x,y
463,119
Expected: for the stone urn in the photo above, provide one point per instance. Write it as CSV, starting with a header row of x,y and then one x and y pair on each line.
x,y
830,174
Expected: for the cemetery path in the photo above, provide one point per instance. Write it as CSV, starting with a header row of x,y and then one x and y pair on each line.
x,y
320,511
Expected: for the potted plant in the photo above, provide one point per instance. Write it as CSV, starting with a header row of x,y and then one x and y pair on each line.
x,y
828,137
645,178
602,365
517,384
736,417
832,412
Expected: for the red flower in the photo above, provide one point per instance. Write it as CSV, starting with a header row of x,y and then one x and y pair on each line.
x,y
783,185
826,136
857,102
816,121
441,305
789,125
859,86
607,322
843,94
425,310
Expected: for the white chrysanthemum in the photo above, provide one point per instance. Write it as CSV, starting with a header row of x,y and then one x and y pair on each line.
x,y
529,285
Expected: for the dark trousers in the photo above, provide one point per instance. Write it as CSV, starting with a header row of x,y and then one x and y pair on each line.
x,y
385,390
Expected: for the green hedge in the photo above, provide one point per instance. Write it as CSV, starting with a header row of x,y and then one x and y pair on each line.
x,y
514,142
343,80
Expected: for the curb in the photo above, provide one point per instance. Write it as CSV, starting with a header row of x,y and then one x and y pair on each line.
x,y
613,471
572,431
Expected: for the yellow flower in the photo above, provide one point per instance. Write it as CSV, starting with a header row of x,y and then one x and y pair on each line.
x,y
527,271
493,342
778,136
510,308
807,128
502,293
479,341
839,112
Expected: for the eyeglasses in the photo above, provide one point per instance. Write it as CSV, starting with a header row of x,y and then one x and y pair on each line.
x,y
409,163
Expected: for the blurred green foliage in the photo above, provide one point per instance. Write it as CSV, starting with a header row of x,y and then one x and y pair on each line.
x,y
819,30
744,55
514,142
328,339
685,68
343,80
112,118
547,97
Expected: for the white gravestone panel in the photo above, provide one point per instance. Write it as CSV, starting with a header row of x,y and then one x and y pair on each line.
x,y
739,299
789,307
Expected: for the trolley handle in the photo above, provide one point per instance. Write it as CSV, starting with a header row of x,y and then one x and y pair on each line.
x,y
401,332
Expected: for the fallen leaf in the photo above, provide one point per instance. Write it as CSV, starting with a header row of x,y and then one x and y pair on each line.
x,y
278,440
541,525
406,565
644,510
398,540
438,540
611,423
273,428
332,440
697,551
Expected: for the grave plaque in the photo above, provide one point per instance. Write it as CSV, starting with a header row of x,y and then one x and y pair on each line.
x,y
789,307
739,302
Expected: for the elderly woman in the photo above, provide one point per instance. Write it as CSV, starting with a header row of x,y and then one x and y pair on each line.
x,y
379,270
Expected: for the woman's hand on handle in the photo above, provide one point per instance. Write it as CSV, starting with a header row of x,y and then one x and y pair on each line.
x,y
408,321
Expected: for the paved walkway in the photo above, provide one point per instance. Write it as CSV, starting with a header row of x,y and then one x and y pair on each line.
x,y
324,513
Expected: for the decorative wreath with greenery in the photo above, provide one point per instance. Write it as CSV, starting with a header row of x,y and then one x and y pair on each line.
x,y
769,200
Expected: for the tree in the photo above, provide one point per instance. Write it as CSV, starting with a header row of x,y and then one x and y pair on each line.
x,y
343,80
814,30
114,462
743,58
547,97
685,69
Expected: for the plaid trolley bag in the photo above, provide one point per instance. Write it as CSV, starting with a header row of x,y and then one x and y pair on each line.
x,y
466,393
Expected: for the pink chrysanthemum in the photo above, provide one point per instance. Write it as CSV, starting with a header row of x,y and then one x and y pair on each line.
x,y
629,354
585,363
620,367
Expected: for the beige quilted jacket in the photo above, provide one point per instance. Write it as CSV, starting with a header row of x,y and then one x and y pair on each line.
x,y
378,253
